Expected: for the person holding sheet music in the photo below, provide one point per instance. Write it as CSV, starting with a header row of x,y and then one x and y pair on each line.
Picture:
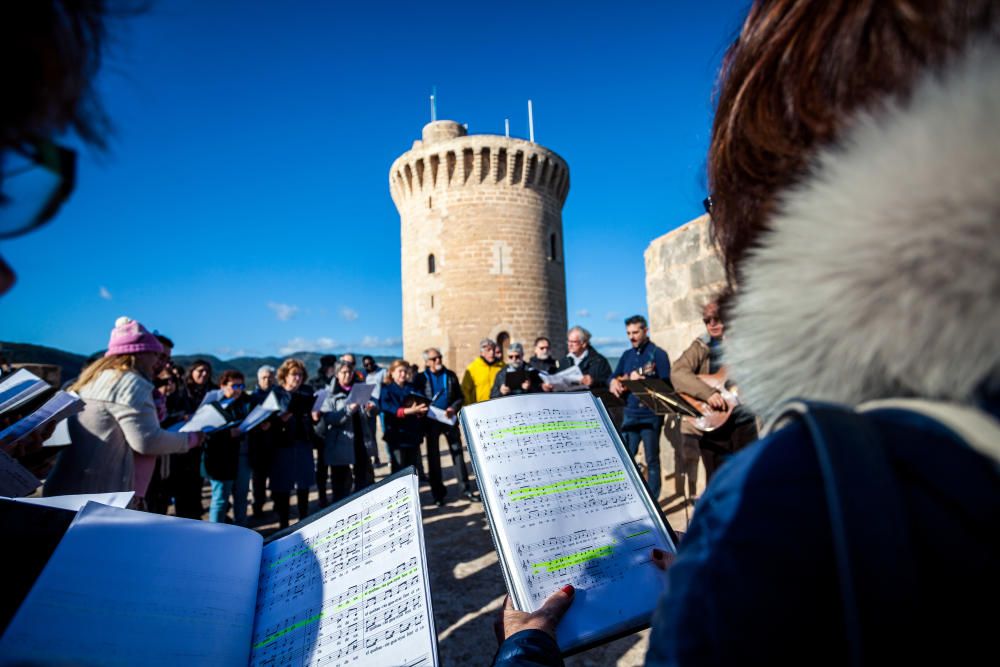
x,y
294,467
404,417
594,366
532,382
260,442
185,481
853,167
224,461
643,360
441,386
343,427
118,418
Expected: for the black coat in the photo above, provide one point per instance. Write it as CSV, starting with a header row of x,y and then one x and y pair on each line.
x,y
594,365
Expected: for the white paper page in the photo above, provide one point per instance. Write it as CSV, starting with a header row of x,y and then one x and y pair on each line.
x,y
566,511
256,417
205,418
438,414
60,437
565,380
360,393
15,479
349,588
320,397
127,588
57,408
77,501
18,388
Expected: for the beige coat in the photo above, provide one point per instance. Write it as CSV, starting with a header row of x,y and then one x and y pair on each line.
x,y
118,420
684,375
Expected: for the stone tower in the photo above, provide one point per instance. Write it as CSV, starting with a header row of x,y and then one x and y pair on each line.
x,y
482,242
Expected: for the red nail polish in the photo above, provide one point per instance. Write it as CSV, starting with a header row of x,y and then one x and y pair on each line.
x,y
568,589
658,554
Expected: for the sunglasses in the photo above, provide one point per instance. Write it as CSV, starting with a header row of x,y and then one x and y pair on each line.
x,y
711,320
35,180
433,358
514,356
238,386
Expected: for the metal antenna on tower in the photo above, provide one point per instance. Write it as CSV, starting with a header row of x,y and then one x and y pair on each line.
x,y
531,124
433,103
506,127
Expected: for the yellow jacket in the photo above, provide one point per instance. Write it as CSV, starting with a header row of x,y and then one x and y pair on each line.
x,y
478,380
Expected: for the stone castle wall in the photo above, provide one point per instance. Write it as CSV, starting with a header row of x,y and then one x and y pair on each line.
x,y
683,271
482,242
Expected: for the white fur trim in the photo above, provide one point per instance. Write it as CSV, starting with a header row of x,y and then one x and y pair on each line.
x,y
881,275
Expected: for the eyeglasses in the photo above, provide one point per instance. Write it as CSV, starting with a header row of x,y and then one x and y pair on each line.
x,y
711,320
433,358
35,180
707,203
514,356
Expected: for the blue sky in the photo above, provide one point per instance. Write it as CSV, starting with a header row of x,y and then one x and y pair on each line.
x,y
244,206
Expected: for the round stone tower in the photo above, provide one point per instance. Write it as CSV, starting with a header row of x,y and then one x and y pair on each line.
x,y
482,242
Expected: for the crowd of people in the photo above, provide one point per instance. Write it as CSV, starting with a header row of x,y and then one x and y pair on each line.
x,y
854,200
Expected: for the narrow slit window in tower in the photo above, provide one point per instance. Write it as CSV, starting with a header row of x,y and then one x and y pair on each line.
x,y
552,247
431,268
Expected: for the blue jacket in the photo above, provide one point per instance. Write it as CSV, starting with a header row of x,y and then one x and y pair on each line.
x,y
400,431
636,358
755,582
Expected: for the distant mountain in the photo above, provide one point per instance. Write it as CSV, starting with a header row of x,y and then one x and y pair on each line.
x,y
71,364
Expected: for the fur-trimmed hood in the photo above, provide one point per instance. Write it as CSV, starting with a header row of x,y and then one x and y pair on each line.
x,y
880,276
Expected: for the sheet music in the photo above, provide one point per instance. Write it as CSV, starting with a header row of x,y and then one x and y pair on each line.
x,y
361,393
567,379
349,588
126,588
61,405
19,388
320,395
206,418
437,414
15,479
77,501
260,413
566,510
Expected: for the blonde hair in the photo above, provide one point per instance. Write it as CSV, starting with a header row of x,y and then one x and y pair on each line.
x,y
397,363
286,367
119,363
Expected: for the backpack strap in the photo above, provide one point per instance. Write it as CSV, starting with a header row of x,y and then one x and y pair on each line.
x,y
876,571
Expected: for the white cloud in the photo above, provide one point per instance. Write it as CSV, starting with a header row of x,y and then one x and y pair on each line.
x,y
283,311
325,343
348,314
104,293
616,342
374,342
583,312
612,315
300,344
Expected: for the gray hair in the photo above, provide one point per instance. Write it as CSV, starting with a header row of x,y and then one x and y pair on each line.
x,y
339,365
516,347
487,342
584,334
428,351
266,368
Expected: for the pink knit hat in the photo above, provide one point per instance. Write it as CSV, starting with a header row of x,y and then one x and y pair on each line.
x,y
130,337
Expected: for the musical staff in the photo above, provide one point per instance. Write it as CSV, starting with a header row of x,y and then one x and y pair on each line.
x,y
566,507
351,591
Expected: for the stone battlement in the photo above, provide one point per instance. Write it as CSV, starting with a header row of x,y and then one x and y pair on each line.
x,y
447,160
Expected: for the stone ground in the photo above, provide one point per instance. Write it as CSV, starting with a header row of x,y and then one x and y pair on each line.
x,y
466,583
